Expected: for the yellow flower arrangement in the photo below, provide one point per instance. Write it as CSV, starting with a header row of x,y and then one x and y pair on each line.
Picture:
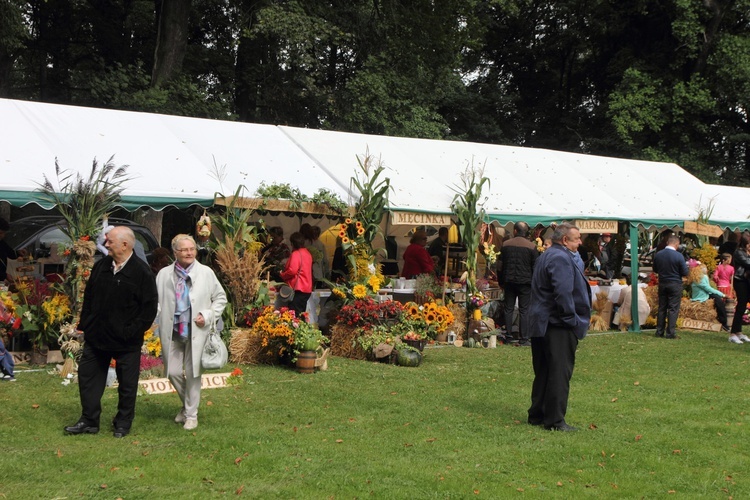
x,y
276,329
152,343
57,308
434,313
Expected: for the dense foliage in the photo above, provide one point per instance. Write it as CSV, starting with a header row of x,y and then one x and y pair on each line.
x,y
643,79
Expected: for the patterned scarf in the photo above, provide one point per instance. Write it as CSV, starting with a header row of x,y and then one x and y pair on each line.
x,y
182,300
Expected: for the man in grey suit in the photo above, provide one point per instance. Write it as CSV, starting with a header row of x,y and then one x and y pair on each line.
x,y
558,318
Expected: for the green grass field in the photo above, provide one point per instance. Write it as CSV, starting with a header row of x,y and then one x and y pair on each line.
x,y
657,417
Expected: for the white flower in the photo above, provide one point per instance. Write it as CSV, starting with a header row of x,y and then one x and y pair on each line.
x,y
28,315
371,268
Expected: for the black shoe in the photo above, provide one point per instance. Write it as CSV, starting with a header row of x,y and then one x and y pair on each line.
x,y
121,432
562,428
535,423
671,336
81,427
524,343
659,335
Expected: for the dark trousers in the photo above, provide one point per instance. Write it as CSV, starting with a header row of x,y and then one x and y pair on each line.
x,y
553,358
299,303
92,380
670,295
741,289
721,309
523,293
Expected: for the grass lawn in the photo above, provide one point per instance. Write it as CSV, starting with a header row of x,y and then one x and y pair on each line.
x,y
656,416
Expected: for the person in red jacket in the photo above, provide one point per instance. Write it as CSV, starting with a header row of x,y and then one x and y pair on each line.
x,y
298,274
416,258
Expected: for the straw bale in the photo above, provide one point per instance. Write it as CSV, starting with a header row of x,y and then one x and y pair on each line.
x,y
245,347
701,311
344,342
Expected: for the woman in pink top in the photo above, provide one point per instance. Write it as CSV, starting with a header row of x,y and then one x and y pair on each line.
x,y
298,274
723,275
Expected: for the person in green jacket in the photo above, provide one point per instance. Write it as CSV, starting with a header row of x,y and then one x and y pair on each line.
x,y
701,291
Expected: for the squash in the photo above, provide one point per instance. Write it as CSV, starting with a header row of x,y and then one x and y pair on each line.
x,y
470,342
409,357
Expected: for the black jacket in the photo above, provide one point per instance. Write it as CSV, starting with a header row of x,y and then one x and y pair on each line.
x,y
118,308
516,263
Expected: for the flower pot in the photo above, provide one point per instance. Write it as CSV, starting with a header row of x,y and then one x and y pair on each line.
x,y
39,356
441,337
306,362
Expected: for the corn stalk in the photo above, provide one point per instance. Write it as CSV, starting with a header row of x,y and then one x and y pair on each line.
x,y
467,207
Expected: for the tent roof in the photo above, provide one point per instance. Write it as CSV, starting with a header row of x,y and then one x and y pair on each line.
x,y
534,185
171,160
730,205
174,160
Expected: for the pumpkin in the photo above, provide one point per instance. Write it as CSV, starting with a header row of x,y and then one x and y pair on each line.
x,y
409,357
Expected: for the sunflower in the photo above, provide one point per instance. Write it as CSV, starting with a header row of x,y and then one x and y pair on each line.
x,y
344,239
413,309
338,292
360,231
348,220
359,224
430,317
343,227
359,291
342,234
374,282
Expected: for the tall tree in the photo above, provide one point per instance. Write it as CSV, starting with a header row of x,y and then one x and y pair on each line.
x,y
171,40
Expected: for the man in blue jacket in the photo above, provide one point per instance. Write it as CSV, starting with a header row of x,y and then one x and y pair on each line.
x,y
670,265
119,305
558,318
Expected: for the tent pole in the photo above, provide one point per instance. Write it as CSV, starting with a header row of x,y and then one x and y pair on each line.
x,y
636,326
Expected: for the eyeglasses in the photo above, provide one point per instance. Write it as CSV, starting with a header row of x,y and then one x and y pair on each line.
x,y
185,250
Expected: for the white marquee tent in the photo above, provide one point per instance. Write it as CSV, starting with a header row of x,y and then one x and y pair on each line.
x,y
173,160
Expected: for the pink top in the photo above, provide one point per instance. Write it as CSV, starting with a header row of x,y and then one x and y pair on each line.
x,y
723,275
298,272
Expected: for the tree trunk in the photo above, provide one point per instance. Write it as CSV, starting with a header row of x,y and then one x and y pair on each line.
x,y
171,40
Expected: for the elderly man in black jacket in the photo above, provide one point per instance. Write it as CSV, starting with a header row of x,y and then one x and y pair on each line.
x,y
514,271
119,305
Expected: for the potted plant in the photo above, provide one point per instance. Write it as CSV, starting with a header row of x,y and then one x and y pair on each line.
x,y
307,340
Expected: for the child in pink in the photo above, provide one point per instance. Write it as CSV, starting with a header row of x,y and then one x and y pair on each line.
x,y
723,275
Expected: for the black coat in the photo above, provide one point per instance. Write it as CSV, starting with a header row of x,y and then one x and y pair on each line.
x,y
516,263
118,308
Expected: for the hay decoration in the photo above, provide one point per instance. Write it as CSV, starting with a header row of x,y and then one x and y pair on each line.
x,y
700,311
652,296
459,319
602,298
245,347
598,323
625,321
344,342
242,272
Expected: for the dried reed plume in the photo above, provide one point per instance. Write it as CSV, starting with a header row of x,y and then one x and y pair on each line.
x,y
242,271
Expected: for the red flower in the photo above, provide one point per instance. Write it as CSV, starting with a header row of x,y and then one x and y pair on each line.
x,y
17,324
236,372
